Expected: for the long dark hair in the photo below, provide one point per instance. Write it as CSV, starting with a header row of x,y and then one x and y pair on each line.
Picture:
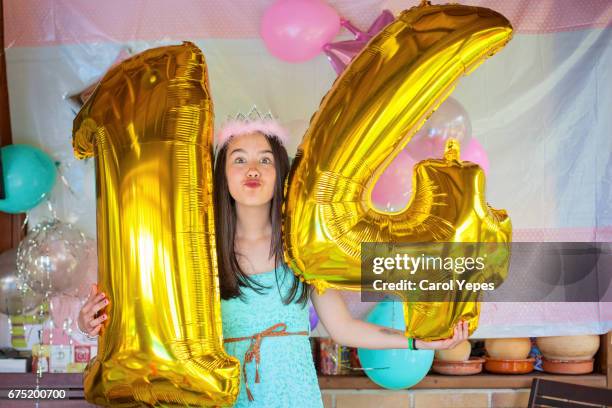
x,y
231,276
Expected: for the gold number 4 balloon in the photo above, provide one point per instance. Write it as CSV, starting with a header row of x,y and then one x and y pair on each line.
x,y
149,126
368,116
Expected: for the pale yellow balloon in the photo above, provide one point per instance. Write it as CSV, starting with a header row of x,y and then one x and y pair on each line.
x,y
373,109
149,127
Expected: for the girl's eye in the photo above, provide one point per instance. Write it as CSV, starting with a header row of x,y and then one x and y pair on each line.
x,y
239,160
266,160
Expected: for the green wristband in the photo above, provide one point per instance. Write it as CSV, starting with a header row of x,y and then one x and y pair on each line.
x,y
410,343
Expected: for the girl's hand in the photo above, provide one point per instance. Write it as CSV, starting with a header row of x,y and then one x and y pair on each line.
x,y
87,322
460,334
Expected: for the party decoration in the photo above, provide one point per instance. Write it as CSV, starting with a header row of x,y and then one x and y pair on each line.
x,y
49,256
341,53
28,176
394,368
16,297
88,275
149,127
365,120
312,317
64,311
393,188
475,153
449,121
296,30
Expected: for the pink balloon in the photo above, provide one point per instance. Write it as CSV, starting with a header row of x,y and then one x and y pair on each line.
x,y
475,153
394,187
297,30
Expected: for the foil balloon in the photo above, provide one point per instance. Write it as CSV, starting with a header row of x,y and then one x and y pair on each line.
x,y
149,127
341,53
16,297
451,193
49,257
373,109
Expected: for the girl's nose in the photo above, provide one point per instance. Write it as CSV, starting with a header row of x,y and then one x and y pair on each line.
x,y
253,173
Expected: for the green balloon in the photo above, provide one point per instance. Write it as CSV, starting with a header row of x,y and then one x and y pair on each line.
x,y
28,175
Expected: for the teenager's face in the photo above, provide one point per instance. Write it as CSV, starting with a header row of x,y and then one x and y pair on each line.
x,y
250,170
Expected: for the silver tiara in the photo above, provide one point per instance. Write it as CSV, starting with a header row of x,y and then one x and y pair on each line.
x,y
251,116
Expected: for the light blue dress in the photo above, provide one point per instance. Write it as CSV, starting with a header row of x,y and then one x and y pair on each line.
x,y
287,373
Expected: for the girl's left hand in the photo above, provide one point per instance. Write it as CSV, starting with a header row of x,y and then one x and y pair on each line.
x,y
460,334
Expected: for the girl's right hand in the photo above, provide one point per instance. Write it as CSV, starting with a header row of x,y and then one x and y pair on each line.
x,y
460,334
87,322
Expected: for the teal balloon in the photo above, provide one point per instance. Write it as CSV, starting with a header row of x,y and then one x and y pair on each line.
x,y
28,174
394,368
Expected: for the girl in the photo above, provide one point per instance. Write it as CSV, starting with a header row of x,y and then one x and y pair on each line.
x,y
264,313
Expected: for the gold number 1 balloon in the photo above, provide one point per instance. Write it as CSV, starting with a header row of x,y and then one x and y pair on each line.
x,y
369,115
149,126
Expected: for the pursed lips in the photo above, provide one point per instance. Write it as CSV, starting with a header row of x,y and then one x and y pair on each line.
x,y
252,183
